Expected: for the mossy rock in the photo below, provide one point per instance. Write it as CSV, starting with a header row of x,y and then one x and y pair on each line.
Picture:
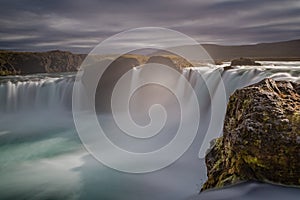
x,y
261,137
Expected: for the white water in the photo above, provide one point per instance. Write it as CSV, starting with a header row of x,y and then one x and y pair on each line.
x,y
41,156
36,93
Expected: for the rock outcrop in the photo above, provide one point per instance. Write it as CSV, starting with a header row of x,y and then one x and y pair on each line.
x,y
173,61
261,137
12,63
109,79
38,62
244,62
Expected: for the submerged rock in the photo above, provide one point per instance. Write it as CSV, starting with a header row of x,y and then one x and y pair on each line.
x,y
261,137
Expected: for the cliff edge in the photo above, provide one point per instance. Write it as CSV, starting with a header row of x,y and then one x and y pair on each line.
x,y
12,63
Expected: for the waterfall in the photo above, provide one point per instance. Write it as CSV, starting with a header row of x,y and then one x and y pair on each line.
x,y
35,93
47,144
45,92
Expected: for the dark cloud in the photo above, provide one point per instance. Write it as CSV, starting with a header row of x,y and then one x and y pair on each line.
x,y
79,25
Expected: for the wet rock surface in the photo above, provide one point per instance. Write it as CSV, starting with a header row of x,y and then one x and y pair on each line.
x,y
261,137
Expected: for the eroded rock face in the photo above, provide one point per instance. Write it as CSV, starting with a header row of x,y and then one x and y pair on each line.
x,y
39,62
261,139
110,78
176,62
12,63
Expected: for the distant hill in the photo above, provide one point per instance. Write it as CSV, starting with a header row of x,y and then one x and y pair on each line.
x,y
288,50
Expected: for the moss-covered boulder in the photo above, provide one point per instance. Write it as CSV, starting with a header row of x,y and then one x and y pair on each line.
x,y
261,137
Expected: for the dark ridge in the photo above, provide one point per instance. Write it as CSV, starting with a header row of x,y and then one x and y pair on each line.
x,y
283,51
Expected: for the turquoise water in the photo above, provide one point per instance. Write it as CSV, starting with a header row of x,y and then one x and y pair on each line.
x,y
38,161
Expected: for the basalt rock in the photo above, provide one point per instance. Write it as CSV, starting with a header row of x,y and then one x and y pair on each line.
x,y
261,137
176,62
244,62
39,62
12,63
109,79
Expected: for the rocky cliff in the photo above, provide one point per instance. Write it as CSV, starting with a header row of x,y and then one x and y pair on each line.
x,y
261,137
12,63
38,62
173,61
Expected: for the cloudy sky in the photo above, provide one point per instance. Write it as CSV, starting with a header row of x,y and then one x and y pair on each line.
x,y
79,25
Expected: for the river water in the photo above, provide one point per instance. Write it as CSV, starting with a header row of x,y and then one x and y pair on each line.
x,y
42,157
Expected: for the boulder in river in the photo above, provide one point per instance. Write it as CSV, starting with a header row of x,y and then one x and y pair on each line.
x,y
261,137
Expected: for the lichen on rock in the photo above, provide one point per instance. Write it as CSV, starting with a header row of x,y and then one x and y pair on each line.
x,y
261,137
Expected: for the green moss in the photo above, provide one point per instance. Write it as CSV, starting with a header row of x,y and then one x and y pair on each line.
x,y
7,73
250,159
266,116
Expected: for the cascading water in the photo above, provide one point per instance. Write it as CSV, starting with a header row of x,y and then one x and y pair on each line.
x,y
35,93
48,92
41,156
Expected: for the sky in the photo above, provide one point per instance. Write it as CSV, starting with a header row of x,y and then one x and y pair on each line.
x,y
79,25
